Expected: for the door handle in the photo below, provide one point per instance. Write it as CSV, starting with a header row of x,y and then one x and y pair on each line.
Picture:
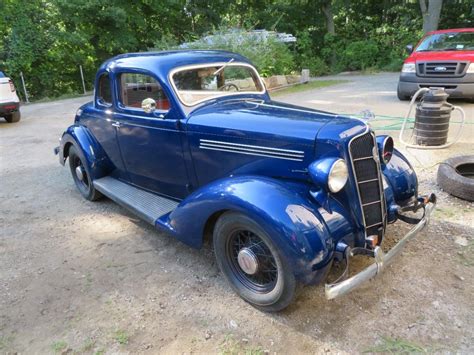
x,y
117,124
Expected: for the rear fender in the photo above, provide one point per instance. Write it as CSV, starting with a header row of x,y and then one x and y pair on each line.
x,y
294,223
80,137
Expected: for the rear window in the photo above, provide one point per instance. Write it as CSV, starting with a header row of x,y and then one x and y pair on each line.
x,y
104,93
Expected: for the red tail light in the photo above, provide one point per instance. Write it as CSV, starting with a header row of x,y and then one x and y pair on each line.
x,y
12,86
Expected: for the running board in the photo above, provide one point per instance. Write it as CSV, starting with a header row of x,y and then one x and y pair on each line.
x,y
145,205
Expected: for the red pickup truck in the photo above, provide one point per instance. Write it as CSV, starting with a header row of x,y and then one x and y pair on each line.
x,y
442,58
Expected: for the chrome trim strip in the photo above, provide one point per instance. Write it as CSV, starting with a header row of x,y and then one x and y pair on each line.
x,y
382,260
364,158
228,93
365,181
371,203
248,153
239,149
373,225
251,146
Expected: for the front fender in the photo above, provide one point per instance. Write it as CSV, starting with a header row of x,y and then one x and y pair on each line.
x,y
80,137
401,177
294,223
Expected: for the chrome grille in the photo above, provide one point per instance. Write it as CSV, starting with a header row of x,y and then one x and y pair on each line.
x,y
441,69
368,182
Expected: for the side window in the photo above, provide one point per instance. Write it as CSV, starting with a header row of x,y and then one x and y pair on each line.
x,y
134,88
104,94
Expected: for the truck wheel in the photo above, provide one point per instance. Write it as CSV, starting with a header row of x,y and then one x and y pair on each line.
x,y
456,176
81,176
402,96
13,117
252,264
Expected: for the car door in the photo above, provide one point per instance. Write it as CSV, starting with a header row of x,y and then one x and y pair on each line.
x,y
99,121
151,143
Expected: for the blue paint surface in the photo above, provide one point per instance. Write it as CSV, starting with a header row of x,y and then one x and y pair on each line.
x,y
242,153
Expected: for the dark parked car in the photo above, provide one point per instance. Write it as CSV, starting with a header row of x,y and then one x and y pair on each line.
x,y
191,142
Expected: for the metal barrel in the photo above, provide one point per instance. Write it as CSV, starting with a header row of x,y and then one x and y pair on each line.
x,y
432,118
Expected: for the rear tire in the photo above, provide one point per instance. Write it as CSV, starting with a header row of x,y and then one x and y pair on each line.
x,y
401,96
271,285
13,117
85,185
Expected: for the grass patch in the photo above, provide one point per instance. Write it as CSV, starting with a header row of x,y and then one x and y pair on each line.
x,y
58,346
121,337
397,346
318,84
230,346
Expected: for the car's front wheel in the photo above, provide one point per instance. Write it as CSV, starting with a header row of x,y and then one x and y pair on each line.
x,y
252,264
81,175
13,117
402,96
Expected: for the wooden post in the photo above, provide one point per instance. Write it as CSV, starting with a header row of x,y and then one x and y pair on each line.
x,y
82,78
24,87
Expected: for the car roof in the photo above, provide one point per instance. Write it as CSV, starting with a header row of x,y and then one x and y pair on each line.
x,y
162,63
453,30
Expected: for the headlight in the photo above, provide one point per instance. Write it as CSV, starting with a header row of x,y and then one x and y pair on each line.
x,y
329,173
470,69
409,68
385,147
338,176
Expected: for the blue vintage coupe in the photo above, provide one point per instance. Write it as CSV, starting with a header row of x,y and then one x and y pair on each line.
x,y
191,142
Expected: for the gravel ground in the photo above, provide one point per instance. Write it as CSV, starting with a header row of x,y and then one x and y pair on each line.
x,y
78,276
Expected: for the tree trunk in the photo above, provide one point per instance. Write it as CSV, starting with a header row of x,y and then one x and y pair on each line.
x,y
431,13
327,10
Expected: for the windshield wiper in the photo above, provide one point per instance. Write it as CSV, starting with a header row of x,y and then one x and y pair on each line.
x,y
221,68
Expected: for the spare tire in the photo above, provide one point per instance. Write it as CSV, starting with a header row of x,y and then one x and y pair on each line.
x,y
456,176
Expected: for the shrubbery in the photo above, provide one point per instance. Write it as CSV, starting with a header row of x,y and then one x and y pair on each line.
x,y
270,56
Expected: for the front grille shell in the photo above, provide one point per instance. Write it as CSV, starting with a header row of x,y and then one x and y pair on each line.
x,y
452,69
368,182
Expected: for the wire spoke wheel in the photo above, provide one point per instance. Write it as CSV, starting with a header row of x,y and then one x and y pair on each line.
x,y
252,261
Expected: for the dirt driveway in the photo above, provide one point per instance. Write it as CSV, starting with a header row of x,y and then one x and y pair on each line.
x,y
77,276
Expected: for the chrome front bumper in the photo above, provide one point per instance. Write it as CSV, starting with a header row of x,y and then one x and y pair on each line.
x,y
382,260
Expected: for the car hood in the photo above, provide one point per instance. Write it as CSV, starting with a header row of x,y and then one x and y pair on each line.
x,y
441,56
276,124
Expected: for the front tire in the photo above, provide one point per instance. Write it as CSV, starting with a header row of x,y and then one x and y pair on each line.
x,y
402,96
13,117
81,175
252,264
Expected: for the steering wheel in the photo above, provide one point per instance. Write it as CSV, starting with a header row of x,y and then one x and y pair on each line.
x,y
229,87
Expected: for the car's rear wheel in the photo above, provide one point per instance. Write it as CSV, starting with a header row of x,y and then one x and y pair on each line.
x,y
13,117
252,264
81,175
402,96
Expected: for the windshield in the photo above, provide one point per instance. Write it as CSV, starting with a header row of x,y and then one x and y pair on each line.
x,y
456,41
203,82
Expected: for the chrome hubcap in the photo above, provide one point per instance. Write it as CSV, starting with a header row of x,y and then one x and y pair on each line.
x,y
248,261
79,173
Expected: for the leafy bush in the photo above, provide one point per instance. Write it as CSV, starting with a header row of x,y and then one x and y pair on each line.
x,y
360,55
270,56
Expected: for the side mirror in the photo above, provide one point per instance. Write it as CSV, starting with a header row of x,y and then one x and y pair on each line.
x,y
409,48
149,105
